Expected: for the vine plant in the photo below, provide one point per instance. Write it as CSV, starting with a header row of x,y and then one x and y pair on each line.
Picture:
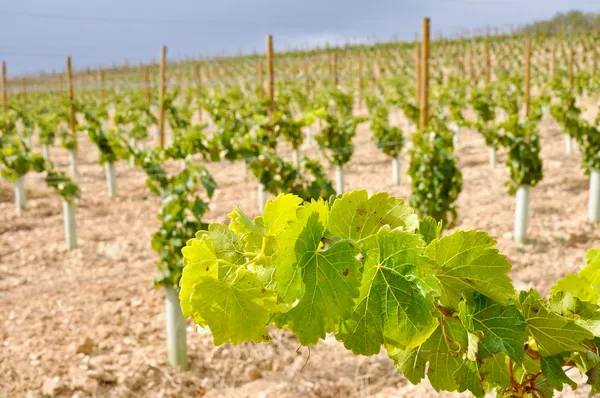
x,y
370,271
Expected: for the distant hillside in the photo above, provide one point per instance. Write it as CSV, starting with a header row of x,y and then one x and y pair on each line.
x,y
572,21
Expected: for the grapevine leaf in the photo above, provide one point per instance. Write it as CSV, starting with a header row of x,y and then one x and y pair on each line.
x,y
444,353
584,313
236,308
591,254
279,212
594,380
502,328
200,261
430,229
250,232
225,243
357,217
331,279
577,286
468,378
466,262
556,376
552,332
495,371
585,285
395,305
410,362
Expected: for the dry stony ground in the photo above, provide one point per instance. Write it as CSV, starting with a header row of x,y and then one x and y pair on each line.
x,y
89,322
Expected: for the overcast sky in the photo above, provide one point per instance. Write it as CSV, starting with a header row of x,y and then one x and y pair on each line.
x,y
37,34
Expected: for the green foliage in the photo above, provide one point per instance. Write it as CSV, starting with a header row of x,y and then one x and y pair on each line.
x,y
180,216
436,179
309,181
338,127
522,139
16,160
389,139
366,269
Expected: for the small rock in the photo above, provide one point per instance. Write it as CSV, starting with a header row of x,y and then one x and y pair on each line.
x,y
252,373
86,347
507,235
277,366
52,386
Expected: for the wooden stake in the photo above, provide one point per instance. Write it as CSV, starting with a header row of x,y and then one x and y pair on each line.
x,y
594,60
334,77
488,61
4,90
101,85
270,74
306,78
24,83
527,77
146,83
424,114
161,95
259,72
571,61
417,70
72,119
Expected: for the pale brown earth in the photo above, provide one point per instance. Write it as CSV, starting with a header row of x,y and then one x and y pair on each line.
x,y
52,301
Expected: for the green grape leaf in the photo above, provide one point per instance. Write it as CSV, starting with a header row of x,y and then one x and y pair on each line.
x,y
200,261
554,373
594,380
395,306
287,275
469,378
357,217
552,332
410,362
241,224
495,371
577,286
225,243
444,350
279,212
250,232
430,229
586,284
466,262
501,328
591,254
584,313
331,279
236,308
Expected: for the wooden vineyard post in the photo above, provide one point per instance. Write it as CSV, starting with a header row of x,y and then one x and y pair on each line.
x,y
259,74
522,197
72,119
527,77
361,70
594,59
198,78
24,91
334,76
417,79
424,97
146,84
4,90
488,60
270,74
568,140
161,95
306,77
571,69
101,85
